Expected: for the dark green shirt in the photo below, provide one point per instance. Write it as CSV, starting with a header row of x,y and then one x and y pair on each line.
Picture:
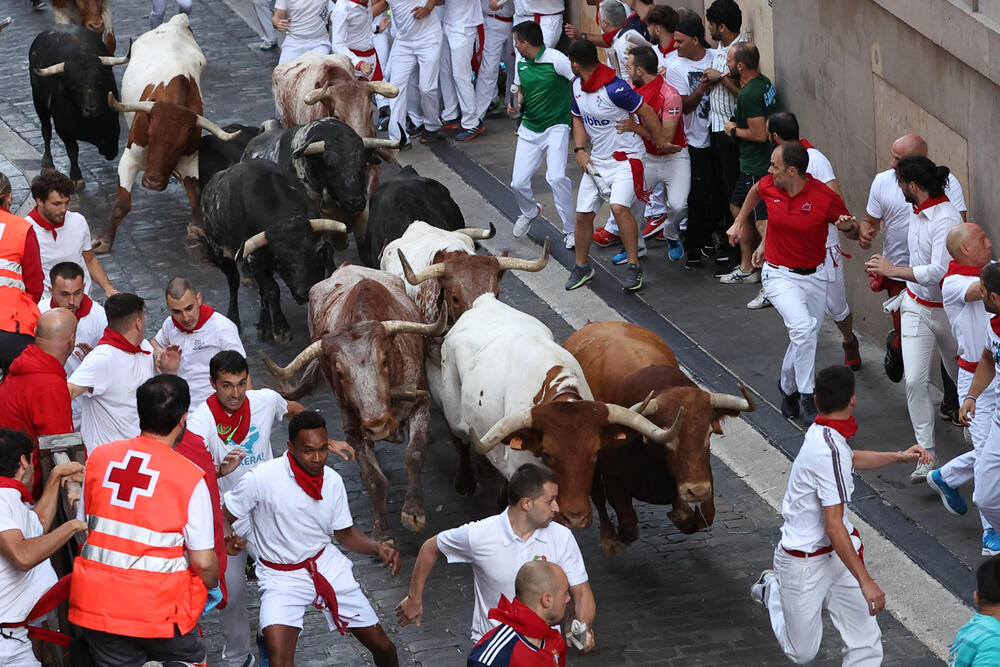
x,y
757,98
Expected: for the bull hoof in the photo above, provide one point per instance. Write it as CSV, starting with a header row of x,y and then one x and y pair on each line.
x,y
283,337
465,486
101,244
628,534
414,522
612,546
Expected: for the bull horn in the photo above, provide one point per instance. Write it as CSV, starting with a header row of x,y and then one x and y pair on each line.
x,y
625,417
647,406
315,95
383,88
208,125
478,234
509,424
371,142
111,61
515,264
252,244
327,225
407,394
51,70
730,402
303,359
393,327
314,148
432,271
129,107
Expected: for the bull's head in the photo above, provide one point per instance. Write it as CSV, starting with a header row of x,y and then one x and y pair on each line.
x,y
91,14
567,437
348,98
90,81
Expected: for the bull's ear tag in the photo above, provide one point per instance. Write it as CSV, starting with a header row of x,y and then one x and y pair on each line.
x,y
516,443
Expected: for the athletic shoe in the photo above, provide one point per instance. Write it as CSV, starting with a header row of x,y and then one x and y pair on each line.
x,y
724,270
693,262
722,254
38,5
952,499
413,131
708,251
569,240
852,355
920,473
604,238
265,659
654,225
453,124
789,404
738,277
758,591
633,278
660,237
621,257
759,301
523,222
250,661
469,135
991,543
579,276
809,410
675,250
950,413
893,362
429,137
267,45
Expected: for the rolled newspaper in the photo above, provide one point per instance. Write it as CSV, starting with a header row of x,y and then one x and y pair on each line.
x,y
602,185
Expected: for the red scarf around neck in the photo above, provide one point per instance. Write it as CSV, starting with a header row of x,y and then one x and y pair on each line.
x,y
521,618
116,340
956,269
672,46
805,144
930,201
82,311
995,324
230,427
311,484
846,427
43,223
11,483
601,76
203,314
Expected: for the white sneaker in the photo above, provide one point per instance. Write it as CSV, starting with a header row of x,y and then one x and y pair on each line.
x,y
759,301
758,591
569,240
920,473
523,222
737,277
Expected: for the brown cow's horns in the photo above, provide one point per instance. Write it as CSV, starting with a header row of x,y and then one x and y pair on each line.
x,y
383,88
315,95
515,264
478,234
432,271
648,405
298,363
625,417
129,107
730,402
208,125
393,327
510,424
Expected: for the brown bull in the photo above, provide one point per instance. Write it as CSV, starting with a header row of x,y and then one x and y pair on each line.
x,y
94,15
627,364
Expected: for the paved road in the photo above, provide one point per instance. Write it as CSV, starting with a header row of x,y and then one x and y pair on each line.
x,y
671,600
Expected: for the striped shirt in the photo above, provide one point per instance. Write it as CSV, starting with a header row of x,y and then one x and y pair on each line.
x,y
721,102
977,643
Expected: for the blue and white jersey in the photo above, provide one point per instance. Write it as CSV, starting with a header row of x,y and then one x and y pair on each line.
x,y
601,110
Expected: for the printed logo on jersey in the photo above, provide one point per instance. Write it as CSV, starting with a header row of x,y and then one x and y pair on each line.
x,y
594,122
540,557
251,459
130,479
807,207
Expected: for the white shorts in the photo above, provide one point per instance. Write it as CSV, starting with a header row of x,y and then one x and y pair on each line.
x,y
618,175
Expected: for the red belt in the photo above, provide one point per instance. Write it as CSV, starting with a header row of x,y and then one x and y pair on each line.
x,y
377,72
538,17
50,599
967,365
505,19
323,588
924,302
825,550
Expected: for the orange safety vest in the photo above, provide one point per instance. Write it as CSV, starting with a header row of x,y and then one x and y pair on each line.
x,y
18,311
132,576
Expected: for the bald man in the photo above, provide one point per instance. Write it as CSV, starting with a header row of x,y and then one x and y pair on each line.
x,y
34,397
525,635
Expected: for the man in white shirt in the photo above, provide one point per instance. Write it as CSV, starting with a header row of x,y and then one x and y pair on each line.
x,y
63,236
462,29
25,543
819,561
198,332
498,25
499,545
287,509
306,27
352,35
415,57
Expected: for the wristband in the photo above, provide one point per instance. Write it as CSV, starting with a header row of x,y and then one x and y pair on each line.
x,y
579,148
972,397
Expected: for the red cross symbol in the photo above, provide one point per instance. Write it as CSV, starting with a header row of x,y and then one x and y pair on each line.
x,y
130,479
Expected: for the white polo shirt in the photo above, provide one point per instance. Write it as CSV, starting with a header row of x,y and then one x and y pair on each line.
x,y
19,591
197,349
267,408
109,411
821,476
496,554
926,238
64,244
601,110
969,319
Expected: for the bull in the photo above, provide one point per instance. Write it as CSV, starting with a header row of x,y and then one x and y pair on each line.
x,y
257,212
161,93
623,363
214,154
368,346
507,387
94,15
71,78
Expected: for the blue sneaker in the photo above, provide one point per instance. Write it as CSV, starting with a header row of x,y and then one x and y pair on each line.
x,y
991,543
674,250
621,257
468,135
952,499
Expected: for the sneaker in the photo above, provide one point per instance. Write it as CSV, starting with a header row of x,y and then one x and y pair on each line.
x,y
38,5
604,238
952,499
675,250
569,240
708,252
469,135
950,413
453,124
759,301
523,222
383,124
758,591
693,262
413,131
809,410
267,45
621,257
920,473
722,254
654,225
893,362
789,404
660,237
579,276
991,543
250,661
852,355
738,277
429,137
633,278
724,270
265,659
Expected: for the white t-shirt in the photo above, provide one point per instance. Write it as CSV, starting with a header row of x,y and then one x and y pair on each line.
x,y
600,112
350,28
197,349
969,319
19,591
68,245
821,476
408,28
927,237
463,13
665,60
821,169
307,19
886,202
109,410
685,75
496,554
267,408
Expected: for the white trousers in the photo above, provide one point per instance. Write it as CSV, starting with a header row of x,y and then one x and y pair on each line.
x,y
924,329
265,12
800,300
986,494
236,645
15,649
381,44
424,59
836,292
962,468
458,92
552,144
552,29
292,48
669,177
795,602
497,46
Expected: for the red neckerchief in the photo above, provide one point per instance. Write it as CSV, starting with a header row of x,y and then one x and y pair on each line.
x,y
116,340
930,201
805,144
82,311
602,76
203,314
956,269
311,484
11,483
230,427
521,618
995,324
45,224
846,427
363,3
652,89
672,46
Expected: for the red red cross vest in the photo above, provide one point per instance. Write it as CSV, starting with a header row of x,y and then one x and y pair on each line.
x,y
18,311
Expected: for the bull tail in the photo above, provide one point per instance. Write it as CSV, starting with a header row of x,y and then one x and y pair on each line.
x,y
197,245
293,391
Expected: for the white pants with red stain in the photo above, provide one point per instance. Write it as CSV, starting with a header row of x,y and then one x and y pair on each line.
x,y
801,301
497,47
458,92
422,60
552,145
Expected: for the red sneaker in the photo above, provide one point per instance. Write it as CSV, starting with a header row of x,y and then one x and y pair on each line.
x,y
604,238
654,225
852,355
659,236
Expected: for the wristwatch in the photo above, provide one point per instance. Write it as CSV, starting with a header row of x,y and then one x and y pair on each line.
x,y
579,148
732,132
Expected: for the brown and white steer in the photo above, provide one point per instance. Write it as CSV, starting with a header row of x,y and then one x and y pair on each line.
x,y
93,15
161,100
368,344
626,364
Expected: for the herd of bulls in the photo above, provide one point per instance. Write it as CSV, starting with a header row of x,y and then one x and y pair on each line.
x,y
609,411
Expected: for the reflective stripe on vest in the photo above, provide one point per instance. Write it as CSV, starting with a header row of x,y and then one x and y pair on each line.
x,y
129,562
8,265
11,282
127,531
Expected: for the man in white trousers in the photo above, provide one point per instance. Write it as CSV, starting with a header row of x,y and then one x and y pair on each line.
x,y
820,559
791,253
269,36
462,26
548,14
306,27
351,35
545,126
497,47
962,295
415,56
924,323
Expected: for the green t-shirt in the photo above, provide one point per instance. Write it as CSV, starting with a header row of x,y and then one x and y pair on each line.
x,y
545,84
757,98
977,643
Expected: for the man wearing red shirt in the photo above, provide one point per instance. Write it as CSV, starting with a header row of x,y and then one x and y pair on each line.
x,y
792,249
